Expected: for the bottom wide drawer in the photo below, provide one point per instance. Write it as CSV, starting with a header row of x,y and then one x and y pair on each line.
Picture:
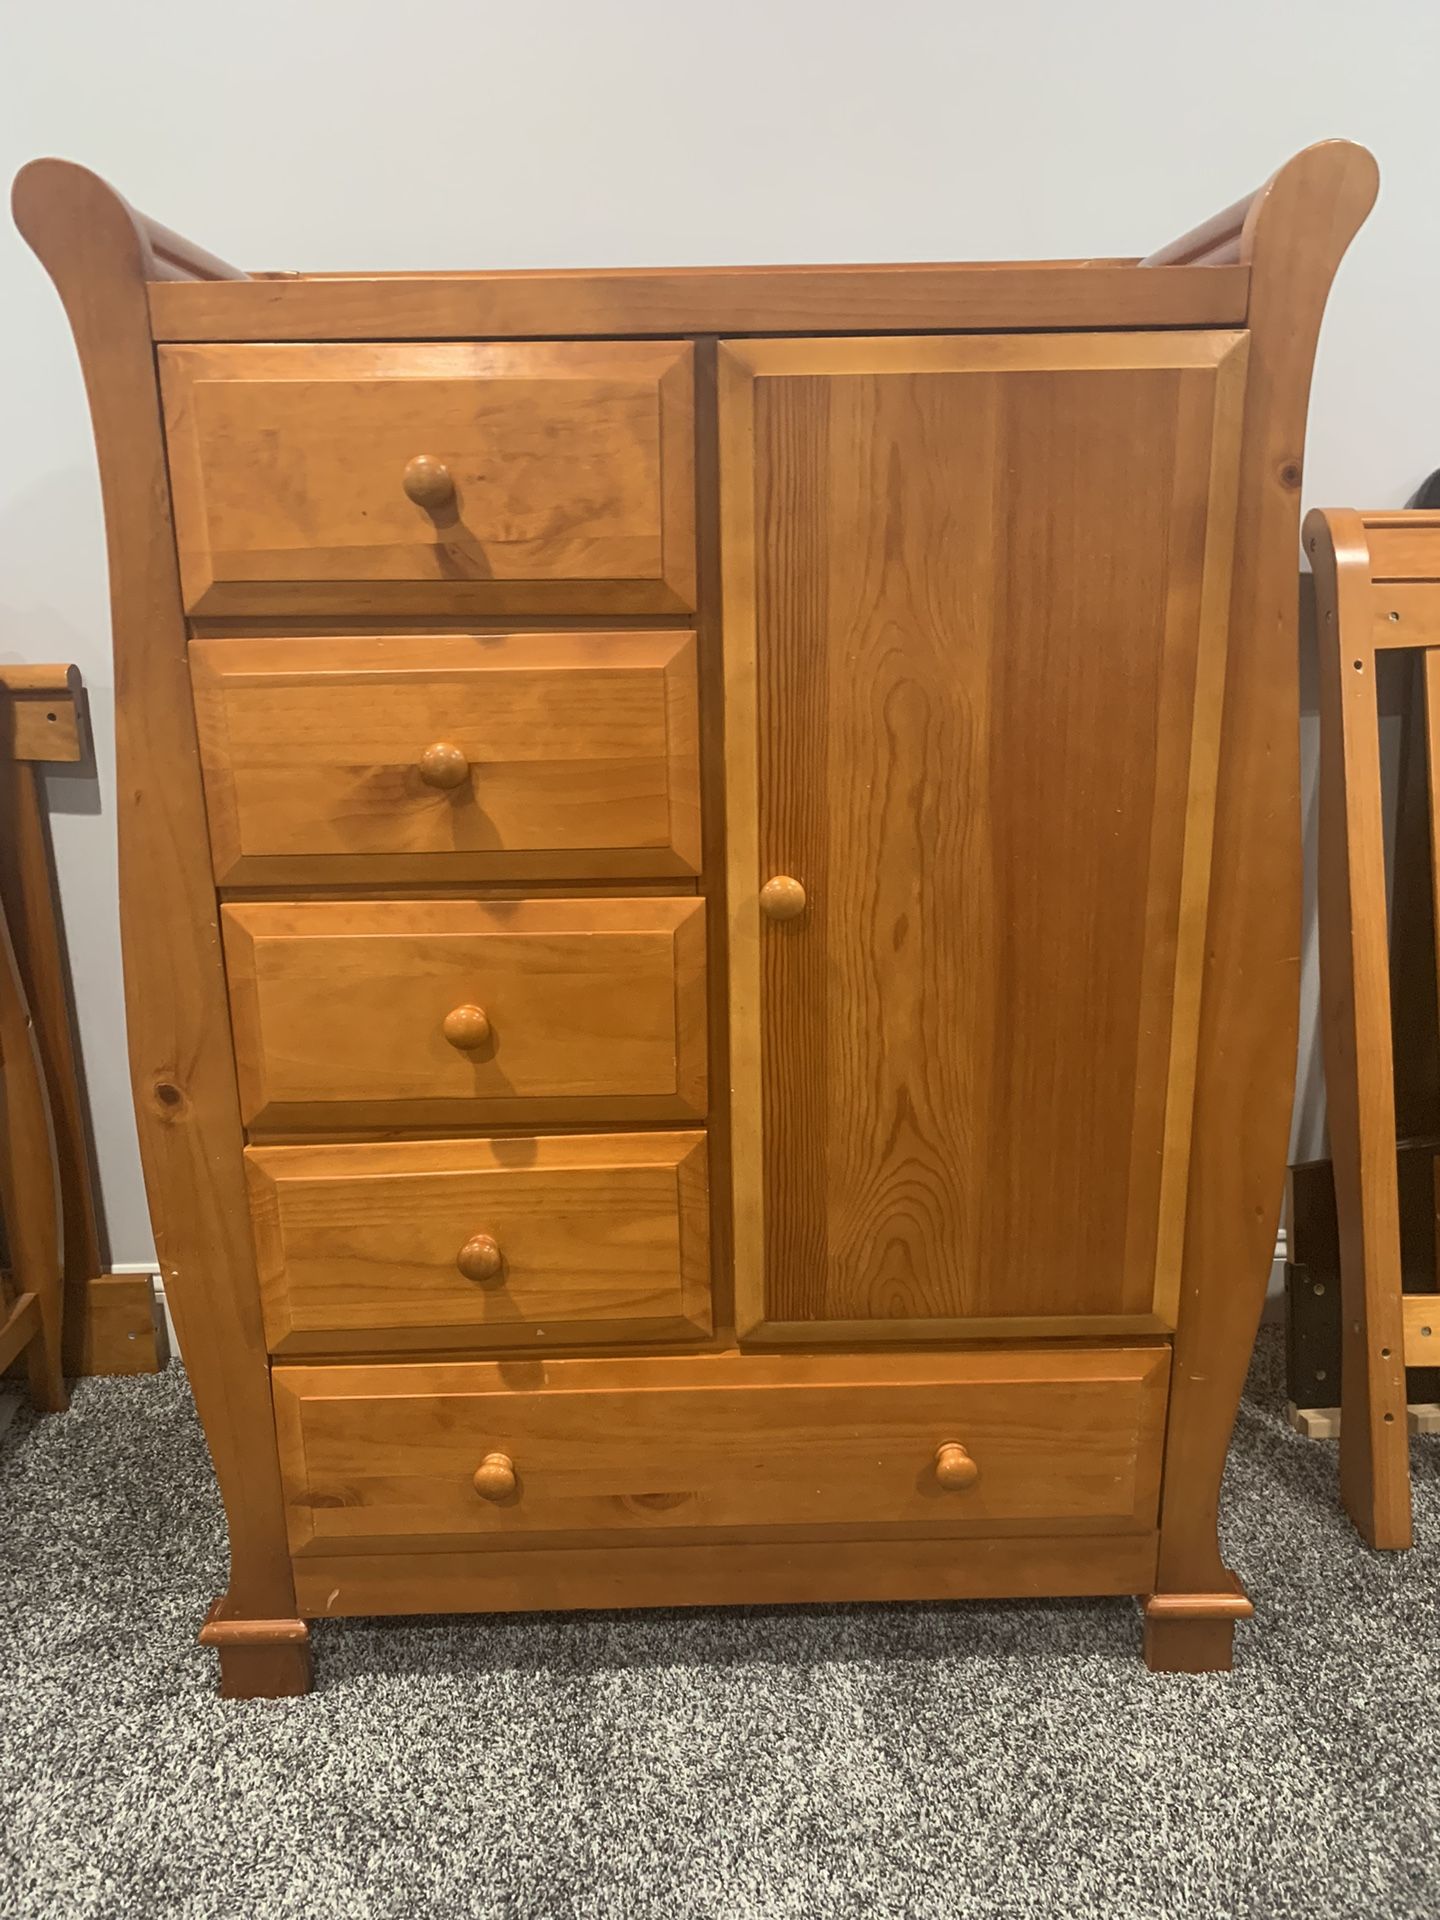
x,y
444,1455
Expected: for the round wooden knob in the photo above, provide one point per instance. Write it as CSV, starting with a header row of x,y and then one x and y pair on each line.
x,y
466,1028
495,1477
480,1257
782,898
444,765
427,481
954,1468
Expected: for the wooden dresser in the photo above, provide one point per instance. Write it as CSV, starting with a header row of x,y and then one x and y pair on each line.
x,y
710,900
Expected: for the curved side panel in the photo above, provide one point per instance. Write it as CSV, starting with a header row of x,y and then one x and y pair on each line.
x,y
1295,234
100,254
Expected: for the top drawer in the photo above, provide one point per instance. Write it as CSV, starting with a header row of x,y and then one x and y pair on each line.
x,y
431,479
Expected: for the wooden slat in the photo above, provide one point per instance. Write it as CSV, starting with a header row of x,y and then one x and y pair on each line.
x,y
1421,1314
18,1328
884,299
1404,613
1403,546
41,713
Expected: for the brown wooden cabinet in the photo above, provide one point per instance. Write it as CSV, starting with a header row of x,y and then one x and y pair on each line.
x,y
709,880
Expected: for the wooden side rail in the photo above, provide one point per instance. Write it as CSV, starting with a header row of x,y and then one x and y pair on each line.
x,y
109,1319
1377,587
31,1298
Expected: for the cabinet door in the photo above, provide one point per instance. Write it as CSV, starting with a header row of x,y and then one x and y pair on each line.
x,y
975,604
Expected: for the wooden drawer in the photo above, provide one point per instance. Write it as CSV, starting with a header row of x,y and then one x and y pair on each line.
x,y
449,478
443,757
386,1456
509,1242
448,1012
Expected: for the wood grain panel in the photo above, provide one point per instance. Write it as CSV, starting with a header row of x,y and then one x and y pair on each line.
x,y
581,752
823,299
599,1236
596,1010
976,650
378,1456
571,474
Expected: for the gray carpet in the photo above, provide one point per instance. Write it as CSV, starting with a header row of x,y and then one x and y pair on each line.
x,y
961,1761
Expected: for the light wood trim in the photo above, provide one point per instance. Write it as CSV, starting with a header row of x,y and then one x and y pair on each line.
x,y
99,254
1296,232
734,1574
735,386
42,714
1212,638
253,1633
924,1332
1420,1313
1199,1606
987,1365
1000,353
1356,1028
842,299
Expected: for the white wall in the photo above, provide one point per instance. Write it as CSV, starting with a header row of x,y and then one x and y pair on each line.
x,y
454,133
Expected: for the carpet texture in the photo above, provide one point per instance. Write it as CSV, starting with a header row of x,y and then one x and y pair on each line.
x,y
957,1761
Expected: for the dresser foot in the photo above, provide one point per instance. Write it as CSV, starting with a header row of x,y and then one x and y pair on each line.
x,y
259,1659
1193,1632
